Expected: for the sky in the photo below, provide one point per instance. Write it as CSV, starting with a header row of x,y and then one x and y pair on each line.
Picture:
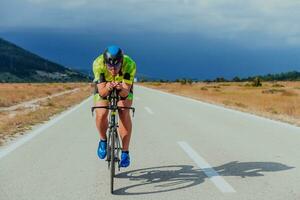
x,y
167,38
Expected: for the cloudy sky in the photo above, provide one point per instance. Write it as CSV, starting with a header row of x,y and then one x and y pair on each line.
x,y
167,38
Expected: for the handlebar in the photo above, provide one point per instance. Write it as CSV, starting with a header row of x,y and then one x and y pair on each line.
x,y
113,108
113,97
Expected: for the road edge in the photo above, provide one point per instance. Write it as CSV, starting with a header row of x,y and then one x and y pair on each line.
x,y
38,129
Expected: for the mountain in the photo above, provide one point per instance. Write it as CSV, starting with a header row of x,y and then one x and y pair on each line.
x,y
20,65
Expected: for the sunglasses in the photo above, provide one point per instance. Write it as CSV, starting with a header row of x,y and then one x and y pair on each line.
x,y
113,66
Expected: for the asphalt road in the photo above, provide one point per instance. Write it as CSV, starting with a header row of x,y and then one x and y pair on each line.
x,y
180,149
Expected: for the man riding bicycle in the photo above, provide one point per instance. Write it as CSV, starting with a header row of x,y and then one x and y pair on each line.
x,y
113,69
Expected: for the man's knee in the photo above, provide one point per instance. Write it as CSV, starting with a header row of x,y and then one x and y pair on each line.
x,y
124,113
101,115
124,103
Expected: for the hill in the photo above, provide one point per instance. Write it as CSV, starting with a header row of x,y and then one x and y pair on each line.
x,y
20,65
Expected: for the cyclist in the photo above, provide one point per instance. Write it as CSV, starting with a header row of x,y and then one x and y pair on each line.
x,y
113,69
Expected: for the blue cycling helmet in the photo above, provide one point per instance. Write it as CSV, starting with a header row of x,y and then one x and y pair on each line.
x,y
113,56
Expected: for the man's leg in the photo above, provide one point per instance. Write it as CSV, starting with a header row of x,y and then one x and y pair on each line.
x,y
102,125
125,125
101,119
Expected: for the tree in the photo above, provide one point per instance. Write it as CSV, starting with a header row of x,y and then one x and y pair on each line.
x,y
220,79
236,79
256,82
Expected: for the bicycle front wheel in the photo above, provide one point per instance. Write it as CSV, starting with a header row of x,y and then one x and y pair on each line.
x,y
112,162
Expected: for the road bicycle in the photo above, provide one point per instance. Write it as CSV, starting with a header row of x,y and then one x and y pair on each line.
x,y
113,141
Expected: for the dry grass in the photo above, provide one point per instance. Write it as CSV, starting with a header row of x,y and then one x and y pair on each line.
x,y
17,122
279,100
14,93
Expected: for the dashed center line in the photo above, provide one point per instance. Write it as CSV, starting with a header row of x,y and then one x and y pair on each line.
x,y
149,110
219,182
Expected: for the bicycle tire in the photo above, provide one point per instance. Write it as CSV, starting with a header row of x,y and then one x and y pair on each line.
x,y
112,164
109,150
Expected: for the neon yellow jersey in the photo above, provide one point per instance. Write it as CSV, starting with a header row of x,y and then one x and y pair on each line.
x,y
126,74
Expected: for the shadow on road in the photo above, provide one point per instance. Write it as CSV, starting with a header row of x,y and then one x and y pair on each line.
x,y
175,177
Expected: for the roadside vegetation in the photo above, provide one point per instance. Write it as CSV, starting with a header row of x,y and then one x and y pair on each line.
x,y
278,100
287,76
17,121
14,93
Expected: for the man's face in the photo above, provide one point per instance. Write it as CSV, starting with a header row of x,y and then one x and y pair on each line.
x,y
114,70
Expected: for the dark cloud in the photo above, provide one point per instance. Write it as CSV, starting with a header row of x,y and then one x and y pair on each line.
x,y
201,39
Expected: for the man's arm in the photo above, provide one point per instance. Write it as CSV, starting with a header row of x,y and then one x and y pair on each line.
x,y
125,89
128,80
104,88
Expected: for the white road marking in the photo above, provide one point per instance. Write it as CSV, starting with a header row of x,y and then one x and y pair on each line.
x,y
219,182
27,137
149,110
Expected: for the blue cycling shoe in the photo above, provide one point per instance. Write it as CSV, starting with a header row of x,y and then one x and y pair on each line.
x,y
125,159
102,149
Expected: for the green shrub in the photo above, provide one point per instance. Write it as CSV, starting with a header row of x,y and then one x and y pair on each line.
x,y
236,79
256,82
185,81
